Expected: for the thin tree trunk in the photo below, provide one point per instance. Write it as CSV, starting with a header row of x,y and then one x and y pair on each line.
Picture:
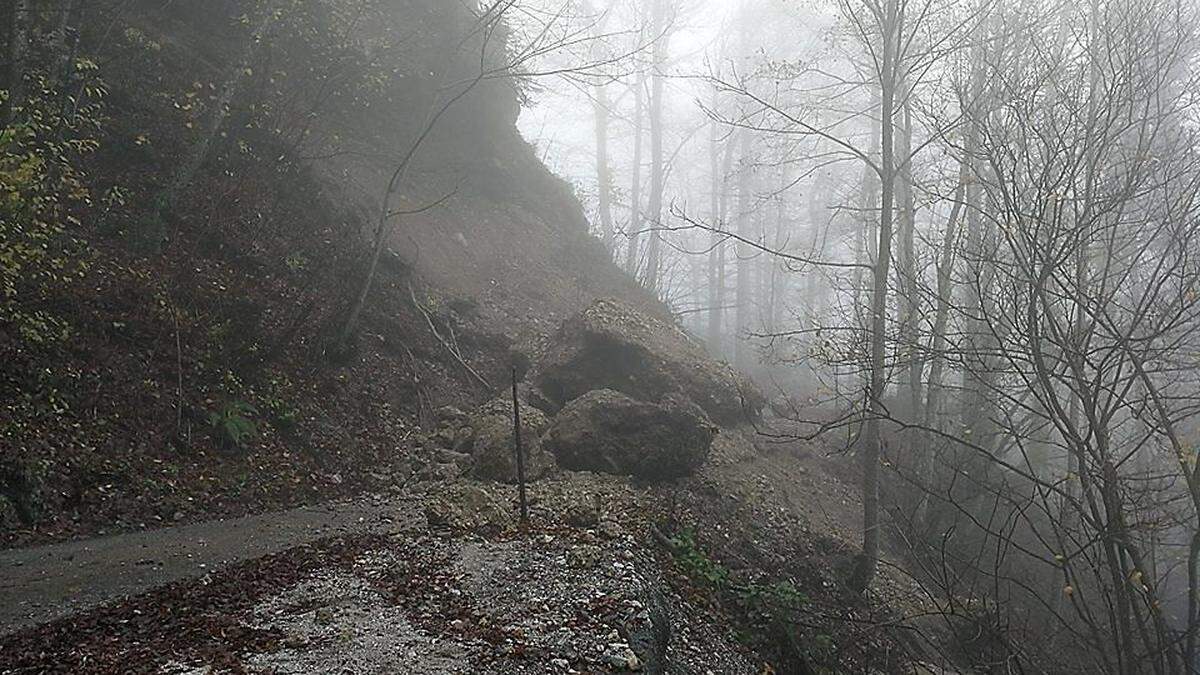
x,y
721,248
743,269
716,242
973,384
777,281
64,40
603,171
385,212
198,153
814,286
601,114
69,93
658,22
872,439
866,238
909,293
933,388
635,188
18,45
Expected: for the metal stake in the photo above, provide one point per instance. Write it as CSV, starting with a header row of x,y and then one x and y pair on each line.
x,y
520,451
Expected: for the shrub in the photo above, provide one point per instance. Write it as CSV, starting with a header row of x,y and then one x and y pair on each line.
x,y
233,424
41,187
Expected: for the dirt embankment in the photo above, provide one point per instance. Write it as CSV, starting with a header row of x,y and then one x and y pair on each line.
x,y
196,381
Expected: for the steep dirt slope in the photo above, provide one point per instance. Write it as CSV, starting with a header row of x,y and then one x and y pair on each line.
x,y
196,379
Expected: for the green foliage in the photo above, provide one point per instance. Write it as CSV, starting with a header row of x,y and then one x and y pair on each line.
x,y
284,416
773,597
768,608
42,187
754,597
233,424
695,563
296,262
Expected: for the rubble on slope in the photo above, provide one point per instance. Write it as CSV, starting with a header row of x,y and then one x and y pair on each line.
x,y
494,448
551,598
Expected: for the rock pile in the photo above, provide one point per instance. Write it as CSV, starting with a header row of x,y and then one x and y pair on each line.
x,y
629,395
494,449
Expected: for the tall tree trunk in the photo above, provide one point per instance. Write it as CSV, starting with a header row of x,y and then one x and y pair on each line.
x,y
933,388
909,291
777,281
63,40
601,113
872,440
72,19
603,171
815,287
716,241
716,328
761,269
18,46
743,269
654,208
198,153
635,188
866,239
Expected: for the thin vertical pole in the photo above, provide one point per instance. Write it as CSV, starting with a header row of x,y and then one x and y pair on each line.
x,y
519,450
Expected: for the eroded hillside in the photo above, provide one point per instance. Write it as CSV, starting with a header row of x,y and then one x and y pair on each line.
x,y
194,376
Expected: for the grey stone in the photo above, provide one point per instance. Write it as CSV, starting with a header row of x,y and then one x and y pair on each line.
x,y
494,447
610,432
610,345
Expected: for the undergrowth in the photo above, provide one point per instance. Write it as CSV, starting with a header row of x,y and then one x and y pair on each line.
x,y
769,610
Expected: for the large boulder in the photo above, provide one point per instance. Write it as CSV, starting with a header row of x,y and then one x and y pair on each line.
x,y
607,431
612,346
494,454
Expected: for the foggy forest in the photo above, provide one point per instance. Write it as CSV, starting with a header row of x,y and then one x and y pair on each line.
x,y
600,336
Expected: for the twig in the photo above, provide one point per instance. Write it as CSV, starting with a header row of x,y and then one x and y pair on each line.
x,y
663,540
453,352
178,372
424,409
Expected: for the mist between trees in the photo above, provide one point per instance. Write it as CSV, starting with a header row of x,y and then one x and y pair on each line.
x,y
959,238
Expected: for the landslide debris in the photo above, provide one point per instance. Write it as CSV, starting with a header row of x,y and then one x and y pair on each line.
x,y
605,430
611,345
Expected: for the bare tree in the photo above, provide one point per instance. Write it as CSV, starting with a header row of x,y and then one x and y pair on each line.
x,y
654,209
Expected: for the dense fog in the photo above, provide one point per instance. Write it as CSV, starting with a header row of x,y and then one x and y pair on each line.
x,y
959,237
671,336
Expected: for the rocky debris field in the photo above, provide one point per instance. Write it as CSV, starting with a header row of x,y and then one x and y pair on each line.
x,y
577,591
618,392
611,575
658,542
